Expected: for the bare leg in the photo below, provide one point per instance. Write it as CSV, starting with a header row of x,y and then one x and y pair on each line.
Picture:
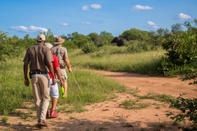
x,y
53,113
65,88
54,103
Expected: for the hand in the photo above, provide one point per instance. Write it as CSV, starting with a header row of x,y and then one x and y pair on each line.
x,y
53,81
70,70
27,82
61,83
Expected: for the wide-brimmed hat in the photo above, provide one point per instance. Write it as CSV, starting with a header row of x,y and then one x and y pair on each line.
x,y
41,37
48,45
59,40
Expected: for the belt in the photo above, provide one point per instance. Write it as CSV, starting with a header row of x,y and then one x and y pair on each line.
x,y
62,67
33,73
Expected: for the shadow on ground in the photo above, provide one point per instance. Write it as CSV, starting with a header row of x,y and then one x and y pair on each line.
x,y
86,125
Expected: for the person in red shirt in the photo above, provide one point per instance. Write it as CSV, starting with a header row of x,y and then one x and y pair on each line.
x,y
54,90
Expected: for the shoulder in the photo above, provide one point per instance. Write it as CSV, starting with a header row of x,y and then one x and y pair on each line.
x,y
63,48
54,47
31,48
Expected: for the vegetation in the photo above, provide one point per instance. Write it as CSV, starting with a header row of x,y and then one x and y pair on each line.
x,y
160,52
182,55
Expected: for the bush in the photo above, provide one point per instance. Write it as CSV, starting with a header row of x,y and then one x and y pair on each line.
x,y
188,108
89,48
135,46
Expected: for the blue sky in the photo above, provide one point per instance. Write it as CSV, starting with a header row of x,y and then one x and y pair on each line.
x,y
63,17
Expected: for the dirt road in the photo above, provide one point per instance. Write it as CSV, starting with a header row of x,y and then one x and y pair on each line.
x,y
111,116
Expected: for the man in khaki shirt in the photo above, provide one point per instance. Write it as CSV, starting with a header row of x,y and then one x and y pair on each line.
x,y
40,59
62,55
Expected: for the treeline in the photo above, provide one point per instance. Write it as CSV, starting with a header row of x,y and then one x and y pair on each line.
x,y
144,40
179,42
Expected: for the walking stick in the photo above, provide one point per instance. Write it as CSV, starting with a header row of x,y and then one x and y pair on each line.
x,y
76,83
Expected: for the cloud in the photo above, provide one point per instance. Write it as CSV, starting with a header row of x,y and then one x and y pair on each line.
x,y
141,7
92,6
183,16
29,29
63,24
95,6
152,25
85,23
85,7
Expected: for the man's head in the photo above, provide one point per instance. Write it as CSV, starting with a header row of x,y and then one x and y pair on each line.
x,y
59,40
48,45
41,38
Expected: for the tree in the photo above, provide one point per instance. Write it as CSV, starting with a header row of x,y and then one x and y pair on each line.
x,y
79,39
49,36
176,28
135,34
93,36
104,38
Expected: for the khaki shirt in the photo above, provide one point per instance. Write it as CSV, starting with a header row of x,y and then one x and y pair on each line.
x,y
39,57
61,53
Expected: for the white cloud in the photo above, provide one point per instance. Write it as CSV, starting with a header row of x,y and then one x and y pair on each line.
x,y
29,29
141,7
85,7
183,16
85,23
63,24
95,6
92,6
152,25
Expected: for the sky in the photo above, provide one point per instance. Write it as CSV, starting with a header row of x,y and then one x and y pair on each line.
x,y
63,17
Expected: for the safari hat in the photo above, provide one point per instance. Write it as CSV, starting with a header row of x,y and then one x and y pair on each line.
x,y
41,37
59,40
48,45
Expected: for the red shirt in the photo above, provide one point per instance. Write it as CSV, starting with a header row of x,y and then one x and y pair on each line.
x,y
55,65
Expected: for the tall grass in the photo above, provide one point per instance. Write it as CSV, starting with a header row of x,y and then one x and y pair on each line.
x,y
144,62
85,87
12,89
13,92
95,88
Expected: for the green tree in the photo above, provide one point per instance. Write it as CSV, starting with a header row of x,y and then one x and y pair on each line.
x,y
135,34
49,36
176,28
181,50
93,36
79,39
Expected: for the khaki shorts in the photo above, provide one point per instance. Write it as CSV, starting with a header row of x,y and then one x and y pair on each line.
x,y
63,74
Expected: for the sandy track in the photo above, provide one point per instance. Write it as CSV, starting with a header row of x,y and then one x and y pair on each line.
x,y
111,116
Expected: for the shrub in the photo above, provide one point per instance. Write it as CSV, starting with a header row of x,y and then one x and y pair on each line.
x,y
135,46
188,108
89,47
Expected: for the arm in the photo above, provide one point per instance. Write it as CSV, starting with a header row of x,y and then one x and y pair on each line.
x,y
50,67
25,71
68,64
57,70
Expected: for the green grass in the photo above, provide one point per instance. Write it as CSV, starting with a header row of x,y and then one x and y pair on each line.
x,y
13,92
158,97
95,87
4,119
145,62
134,104
12,89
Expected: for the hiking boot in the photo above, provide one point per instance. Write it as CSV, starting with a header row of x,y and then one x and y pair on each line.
x,y
53,114
42,123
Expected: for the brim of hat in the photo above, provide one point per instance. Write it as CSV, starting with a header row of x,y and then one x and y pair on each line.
x,y
59,42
